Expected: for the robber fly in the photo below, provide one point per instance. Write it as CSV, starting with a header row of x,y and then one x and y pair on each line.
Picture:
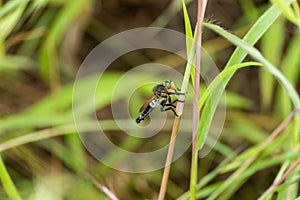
x,y
161,96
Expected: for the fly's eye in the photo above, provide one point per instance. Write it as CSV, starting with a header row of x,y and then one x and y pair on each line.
x,y
159,89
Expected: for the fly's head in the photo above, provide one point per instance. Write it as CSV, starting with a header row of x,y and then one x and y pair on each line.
x,y
160,90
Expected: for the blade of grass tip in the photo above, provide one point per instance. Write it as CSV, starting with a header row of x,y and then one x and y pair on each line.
x,y
189,35
188,29
218,80
211,93
7,183
266,64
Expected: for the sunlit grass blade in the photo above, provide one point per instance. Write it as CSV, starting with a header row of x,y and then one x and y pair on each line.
x,y
211,93
290,90
188,28
286,10
218,83
255,33
189,36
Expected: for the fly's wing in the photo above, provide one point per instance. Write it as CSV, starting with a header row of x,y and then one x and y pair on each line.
x,y
147,103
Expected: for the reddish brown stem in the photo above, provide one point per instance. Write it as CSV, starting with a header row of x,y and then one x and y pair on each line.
x,y
163,186
276,184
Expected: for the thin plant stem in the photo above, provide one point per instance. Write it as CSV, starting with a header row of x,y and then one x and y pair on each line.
x,y
194,165
276,184
104,189
179,107
7,183
167,168
179,110
194,161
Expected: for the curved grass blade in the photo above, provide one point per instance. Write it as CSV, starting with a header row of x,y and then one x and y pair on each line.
x,y
258,56
212,92
253,35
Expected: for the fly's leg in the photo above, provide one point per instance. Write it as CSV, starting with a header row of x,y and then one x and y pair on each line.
x,y
163,104
171,108
176,93
177,100
169,104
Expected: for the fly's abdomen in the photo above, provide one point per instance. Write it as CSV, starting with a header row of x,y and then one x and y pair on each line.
x,y
148,110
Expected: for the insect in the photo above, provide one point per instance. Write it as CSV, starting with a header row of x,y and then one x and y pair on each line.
x,y
161,96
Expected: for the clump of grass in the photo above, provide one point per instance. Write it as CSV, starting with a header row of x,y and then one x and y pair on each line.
x,y
38,49
210,103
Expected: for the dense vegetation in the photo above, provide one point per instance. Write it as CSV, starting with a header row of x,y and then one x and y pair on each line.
x,y
42,46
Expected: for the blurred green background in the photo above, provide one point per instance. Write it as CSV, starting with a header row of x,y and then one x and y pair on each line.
x,y
42,44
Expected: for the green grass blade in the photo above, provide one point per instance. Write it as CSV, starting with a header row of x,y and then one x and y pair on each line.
x,y
286,10
10,20
14,63
258,56
231,184
7,183
188,28
210,93
255,33
218,82
189,37
10,6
